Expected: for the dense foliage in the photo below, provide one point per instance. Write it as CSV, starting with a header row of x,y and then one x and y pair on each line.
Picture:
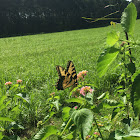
x,y
20,17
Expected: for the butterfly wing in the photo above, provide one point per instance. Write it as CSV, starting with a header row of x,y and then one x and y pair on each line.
x,y
67,77
72,75
62,74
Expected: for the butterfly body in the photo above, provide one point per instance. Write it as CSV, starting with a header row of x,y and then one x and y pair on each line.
x,y
67,77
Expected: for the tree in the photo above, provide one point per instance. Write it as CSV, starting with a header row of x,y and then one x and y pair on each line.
x,y
35,16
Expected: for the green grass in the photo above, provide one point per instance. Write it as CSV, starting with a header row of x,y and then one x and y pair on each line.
x,y
34,58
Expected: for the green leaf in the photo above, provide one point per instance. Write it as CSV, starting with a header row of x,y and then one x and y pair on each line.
x,y
109,103
135,132
131,67
16,109
101,96
115,111
100,106
68,137
112,136
76,100
128,18
2,106
8,102
57,97
135,95
65,113
2,129
14,125
45,133
89,98
74,90
1,136
135,75
106,59
112,38
56,103
23,96
48,116
132,135
71,111
83,119
124,99
118,135
131,138
6,119
95,109
2,99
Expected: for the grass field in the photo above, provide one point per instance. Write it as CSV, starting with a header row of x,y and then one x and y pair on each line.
x,y
34,58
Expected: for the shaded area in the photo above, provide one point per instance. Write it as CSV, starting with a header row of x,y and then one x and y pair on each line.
x,y
20,17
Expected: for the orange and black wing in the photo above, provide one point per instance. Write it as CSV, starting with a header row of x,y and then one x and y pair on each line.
x,y
67,77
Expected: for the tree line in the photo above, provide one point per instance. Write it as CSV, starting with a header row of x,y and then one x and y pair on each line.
x,y
20,17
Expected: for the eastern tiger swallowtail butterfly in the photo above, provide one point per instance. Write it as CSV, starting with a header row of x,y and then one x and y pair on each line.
x,y
67,77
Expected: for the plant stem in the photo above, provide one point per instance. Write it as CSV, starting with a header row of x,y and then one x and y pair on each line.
x,y
125,68
126,75
68,124
98,128
65,127
126,34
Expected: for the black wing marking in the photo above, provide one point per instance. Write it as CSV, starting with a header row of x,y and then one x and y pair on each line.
x,y
61,73
67,77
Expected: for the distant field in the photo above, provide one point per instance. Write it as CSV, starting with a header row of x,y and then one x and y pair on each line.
x,y
33,58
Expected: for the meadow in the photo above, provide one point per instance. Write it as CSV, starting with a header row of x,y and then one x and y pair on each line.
x,y
33,59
